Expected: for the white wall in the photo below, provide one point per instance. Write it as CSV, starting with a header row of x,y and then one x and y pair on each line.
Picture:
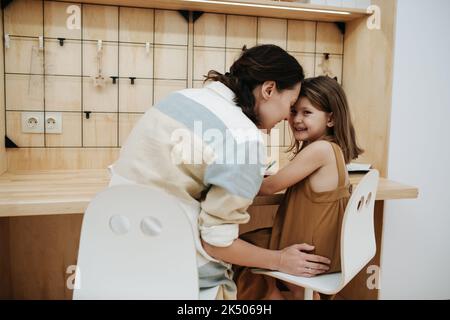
x,y
415,262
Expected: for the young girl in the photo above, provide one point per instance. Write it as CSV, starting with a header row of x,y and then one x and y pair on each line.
x,y
317,182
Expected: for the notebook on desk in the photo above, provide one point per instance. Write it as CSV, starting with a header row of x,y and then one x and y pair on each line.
x,y
272,168
358,167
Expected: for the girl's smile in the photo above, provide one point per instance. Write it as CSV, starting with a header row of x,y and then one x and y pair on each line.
x,y
300,129
309,123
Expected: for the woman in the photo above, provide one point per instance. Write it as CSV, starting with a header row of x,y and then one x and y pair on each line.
x,y
203,147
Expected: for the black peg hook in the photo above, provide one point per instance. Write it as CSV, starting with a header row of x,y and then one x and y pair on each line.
x,y
88,114
61,41
114,79
132,79
327,56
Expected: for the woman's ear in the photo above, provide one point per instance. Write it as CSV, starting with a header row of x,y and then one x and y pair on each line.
x,y
330,121
268,88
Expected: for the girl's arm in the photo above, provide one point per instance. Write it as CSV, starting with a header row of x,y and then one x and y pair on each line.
x,y
311,158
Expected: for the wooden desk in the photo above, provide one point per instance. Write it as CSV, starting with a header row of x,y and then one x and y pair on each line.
x,y
387,190
49,192
40,222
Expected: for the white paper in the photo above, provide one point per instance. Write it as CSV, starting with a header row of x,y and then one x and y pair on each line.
x,y
351,167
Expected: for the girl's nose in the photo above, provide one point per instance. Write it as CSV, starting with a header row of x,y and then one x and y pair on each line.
x,y
297,119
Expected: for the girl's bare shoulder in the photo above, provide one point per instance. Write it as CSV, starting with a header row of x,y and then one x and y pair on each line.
x,y
321,150
326,178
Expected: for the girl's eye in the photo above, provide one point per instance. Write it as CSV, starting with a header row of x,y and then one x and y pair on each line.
x,y
307,112
293,111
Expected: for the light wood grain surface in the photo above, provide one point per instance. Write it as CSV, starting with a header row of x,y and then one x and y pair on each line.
x,y
368,80
179,54
48,192
3,157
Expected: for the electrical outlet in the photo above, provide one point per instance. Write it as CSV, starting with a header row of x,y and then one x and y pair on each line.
x,y
32,122
53,122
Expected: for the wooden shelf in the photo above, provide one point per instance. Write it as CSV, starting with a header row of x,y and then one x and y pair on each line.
x,y
263,8
48,192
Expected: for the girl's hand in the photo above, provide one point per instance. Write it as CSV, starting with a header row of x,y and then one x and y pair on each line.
x,y
298,263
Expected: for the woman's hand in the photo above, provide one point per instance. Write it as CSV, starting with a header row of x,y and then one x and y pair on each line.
x,y
296,262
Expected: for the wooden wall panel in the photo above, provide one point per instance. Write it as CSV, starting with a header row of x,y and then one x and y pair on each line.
x,y
3,158
19,11
97,99
307,61
135,61
206,59
31,88
61,158
136,25
100,130
57,56
157,47
170,28
110,59
301,36
240,31
329,38
55,23
367,80
329,65
69,101
272,31
135,97
41,249
71,136
163,87
209,30
127,121
5,268
24,56
100,22
170,62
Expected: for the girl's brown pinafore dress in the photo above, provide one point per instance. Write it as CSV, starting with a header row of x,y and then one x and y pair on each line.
x,y
305,216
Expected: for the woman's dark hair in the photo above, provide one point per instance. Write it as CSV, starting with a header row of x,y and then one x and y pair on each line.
x,y
327,95
254,67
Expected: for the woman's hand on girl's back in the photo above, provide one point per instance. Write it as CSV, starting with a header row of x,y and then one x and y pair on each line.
x,y
293,260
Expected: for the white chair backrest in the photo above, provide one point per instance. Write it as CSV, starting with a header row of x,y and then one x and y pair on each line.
x,y
358,244
136,243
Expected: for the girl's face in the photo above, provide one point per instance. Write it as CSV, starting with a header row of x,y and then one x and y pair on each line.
x,y
309,123
273,106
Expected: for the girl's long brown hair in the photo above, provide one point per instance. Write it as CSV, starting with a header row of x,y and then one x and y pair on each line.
x,y
327,95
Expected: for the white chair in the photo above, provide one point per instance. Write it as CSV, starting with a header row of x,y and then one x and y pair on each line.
x,y
358,244
136,243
